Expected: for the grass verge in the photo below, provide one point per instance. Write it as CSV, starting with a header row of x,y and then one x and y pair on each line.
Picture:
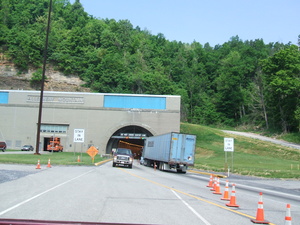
x,y
56,158
250,157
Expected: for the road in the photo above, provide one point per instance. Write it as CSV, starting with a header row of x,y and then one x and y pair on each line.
x,y
263,138
139,195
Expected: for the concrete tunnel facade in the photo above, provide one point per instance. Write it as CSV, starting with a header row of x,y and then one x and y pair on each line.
x,y
105,119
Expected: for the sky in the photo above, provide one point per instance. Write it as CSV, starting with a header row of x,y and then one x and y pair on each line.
x,y
206,21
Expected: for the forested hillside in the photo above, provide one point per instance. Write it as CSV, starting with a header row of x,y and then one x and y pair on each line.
x,y
238,82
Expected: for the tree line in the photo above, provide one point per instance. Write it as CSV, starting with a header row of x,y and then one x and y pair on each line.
x,y
237,83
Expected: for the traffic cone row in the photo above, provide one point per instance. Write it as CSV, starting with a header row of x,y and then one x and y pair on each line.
x,y
38,166
214,183
260,216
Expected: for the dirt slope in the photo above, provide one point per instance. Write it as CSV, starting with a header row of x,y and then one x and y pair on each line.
x,y
11,79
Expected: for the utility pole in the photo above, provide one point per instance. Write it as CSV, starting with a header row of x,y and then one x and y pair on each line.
x,y
38,135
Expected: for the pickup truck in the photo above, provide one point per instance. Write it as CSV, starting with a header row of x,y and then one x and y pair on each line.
x,y
122,156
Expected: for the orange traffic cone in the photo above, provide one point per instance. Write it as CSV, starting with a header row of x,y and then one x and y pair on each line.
x,y
38,166
214,184
49,164
260,217
232,202
78,159
210,183
288,218
218,190
226,193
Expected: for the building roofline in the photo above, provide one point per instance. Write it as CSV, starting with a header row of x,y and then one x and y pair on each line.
x,y
87,93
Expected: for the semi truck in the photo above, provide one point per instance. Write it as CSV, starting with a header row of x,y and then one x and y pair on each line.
x,y
170,151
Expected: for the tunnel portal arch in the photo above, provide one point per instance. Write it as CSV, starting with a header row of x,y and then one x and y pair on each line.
x,y
132,137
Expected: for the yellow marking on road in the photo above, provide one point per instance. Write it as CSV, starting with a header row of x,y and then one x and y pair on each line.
x,y
99,163
192,196
206,173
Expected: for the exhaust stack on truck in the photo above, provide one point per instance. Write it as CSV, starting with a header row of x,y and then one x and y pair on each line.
x,y
170,151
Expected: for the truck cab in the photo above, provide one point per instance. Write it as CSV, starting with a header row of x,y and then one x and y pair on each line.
x,y
122,157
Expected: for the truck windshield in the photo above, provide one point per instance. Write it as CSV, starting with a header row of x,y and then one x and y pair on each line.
x,y
124,151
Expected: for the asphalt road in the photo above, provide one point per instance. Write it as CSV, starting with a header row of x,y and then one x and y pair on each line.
x,y
139,195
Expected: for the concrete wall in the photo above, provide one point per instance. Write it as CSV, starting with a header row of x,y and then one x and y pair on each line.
x,y
19,117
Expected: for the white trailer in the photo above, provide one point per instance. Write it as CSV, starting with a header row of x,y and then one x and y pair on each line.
x,y
170,151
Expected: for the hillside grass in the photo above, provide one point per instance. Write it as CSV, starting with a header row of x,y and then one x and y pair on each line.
x,y
250,157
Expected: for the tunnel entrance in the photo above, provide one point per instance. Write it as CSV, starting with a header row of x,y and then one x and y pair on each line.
x,y
132,137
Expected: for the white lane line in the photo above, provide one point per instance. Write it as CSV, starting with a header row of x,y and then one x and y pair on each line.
x,y
192,209
38,195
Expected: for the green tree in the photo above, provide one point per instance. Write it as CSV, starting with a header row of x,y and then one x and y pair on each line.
x,y
283,79
75,16
220,84
229,88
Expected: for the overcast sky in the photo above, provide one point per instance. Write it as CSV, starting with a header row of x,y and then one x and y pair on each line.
x,y
212,21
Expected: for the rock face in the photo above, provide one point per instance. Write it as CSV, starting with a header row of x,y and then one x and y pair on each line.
x,y
12,79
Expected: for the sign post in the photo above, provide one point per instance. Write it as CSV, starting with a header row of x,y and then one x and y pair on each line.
x,y
78,137
92,151
228,147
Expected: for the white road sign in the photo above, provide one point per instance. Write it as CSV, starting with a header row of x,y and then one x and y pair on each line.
x,y
78,135
228,144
